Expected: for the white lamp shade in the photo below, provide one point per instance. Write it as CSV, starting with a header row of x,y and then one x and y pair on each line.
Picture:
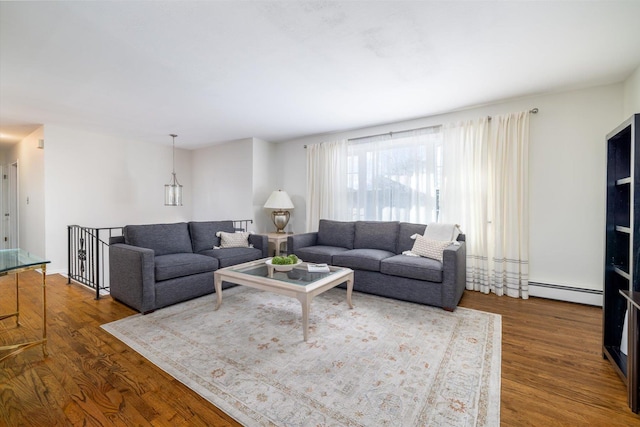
x,y
279,200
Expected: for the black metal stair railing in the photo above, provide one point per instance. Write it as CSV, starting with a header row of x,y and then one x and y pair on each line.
x,y
88,256
88,253
242,224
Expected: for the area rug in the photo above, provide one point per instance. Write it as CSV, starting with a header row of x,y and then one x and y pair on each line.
x,y
383,363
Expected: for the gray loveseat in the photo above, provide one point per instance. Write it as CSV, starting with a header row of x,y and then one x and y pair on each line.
x,y
373,249
156,265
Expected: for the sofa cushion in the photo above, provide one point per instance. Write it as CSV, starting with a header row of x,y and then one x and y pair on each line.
x,y
361,259
381,235
319,254
232,256
336,233
203,233
412,267
163,239
178,265
406,230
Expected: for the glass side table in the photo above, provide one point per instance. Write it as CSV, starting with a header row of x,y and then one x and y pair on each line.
x,y
17,261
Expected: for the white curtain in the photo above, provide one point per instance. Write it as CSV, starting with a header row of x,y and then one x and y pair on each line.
x,y
464,193
391,177
394,177
509,207
326,182
486,191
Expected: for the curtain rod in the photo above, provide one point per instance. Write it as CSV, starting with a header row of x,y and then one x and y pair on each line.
x,y
532,111
389,133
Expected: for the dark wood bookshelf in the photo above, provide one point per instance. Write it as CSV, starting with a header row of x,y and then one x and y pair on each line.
x,y
622,257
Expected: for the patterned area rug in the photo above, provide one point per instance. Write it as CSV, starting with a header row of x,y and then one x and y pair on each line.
x,y
383,363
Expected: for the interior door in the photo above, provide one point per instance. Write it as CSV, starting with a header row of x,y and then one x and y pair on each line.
x,y
12,238
9,206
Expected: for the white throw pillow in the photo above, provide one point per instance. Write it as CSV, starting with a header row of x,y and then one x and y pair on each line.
x,y
429,248
233,240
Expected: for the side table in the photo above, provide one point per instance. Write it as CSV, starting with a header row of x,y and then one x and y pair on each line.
x,y
17,261
278,239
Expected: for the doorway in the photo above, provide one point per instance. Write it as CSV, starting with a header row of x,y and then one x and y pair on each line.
x,y
9,210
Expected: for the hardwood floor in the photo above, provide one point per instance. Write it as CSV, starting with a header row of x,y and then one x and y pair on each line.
x,y
553,373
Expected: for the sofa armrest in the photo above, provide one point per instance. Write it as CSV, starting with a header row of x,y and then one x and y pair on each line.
x,y
116,239
303,240
454,275
261,242
132,276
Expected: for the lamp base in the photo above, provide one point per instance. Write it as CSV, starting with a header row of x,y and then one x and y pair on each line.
x,y
280,220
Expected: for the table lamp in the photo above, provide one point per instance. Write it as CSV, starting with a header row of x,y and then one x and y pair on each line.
x,y
279,201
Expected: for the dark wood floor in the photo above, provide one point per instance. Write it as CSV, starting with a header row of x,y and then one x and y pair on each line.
x,y
553,373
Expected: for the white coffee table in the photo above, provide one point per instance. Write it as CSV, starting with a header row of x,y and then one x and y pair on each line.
x,y
298,283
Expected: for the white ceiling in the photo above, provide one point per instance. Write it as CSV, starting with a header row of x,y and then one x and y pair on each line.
x,y
215,71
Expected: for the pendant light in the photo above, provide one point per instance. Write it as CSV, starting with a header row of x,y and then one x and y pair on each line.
x,y
173,190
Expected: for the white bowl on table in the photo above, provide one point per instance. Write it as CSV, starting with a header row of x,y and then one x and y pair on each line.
x,y
282,267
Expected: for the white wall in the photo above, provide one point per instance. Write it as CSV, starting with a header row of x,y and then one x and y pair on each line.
x,y
101,181
31,195
222,177
265,176
567,177
233,181
568,191
97,180
631,100
291,163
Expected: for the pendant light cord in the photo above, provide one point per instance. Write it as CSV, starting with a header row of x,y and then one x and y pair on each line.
x,y
173,156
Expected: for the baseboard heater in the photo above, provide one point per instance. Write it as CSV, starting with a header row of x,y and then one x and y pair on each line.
x,y
566,293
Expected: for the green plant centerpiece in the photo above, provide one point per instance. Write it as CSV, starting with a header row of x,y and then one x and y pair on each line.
x,y
284,260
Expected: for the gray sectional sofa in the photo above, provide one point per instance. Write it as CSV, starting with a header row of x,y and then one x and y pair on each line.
x,y
156,265
373,249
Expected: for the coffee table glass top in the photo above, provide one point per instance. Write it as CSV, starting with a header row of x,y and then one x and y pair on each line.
x,y
11,259
299,275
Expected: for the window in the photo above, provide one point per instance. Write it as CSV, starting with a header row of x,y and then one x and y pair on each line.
x,y
396,177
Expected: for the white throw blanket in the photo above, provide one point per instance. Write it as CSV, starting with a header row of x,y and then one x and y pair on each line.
x,y
444,232
441,232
